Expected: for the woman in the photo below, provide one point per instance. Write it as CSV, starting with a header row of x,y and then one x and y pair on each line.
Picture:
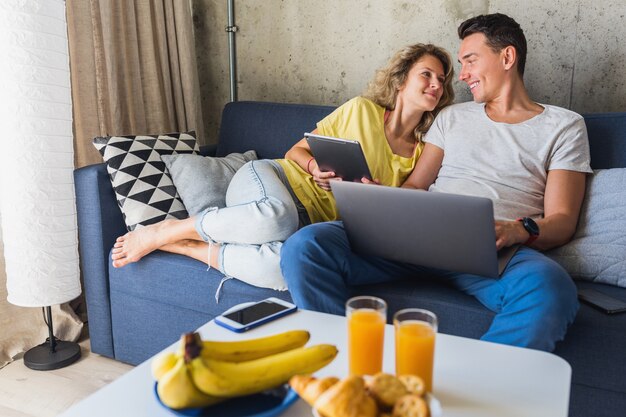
x,y
268,200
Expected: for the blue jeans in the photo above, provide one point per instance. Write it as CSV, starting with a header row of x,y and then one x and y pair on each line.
x,y
534,299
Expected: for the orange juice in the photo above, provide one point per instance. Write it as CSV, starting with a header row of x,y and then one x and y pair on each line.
x,y
415,350
366,332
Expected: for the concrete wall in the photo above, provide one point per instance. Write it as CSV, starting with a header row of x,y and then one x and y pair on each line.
x,y
325,51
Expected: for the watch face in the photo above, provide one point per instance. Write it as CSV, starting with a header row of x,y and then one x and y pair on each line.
x,y
530,226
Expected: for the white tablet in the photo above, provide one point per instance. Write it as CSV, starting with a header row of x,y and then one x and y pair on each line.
x,y
344,157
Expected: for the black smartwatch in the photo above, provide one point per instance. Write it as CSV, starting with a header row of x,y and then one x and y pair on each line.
x,y
531,227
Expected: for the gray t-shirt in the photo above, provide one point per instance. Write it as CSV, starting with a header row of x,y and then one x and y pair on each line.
x,y
507,163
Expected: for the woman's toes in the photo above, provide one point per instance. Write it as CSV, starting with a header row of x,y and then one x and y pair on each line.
x,y
119,262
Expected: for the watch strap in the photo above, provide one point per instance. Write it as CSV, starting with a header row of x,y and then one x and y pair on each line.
x,y
530,240
531,236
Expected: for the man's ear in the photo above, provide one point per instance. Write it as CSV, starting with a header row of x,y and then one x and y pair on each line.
x,y
509,57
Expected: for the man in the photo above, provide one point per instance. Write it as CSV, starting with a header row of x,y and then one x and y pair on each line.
x,y
530,159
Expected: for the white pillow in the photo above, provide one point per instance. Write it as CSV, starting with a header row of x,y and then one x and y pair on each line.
x,y
202,181
598,250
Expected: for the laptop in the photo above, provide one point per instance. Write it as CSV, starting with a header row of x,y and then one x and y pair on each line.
x,y
438,230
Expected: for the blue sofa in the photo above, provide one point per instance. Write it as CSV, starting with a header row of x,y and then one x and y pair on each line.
x,y
137,310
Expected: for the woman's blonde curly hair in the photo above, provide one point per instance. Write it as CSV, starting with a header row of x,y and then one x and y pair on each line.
x,y
383,89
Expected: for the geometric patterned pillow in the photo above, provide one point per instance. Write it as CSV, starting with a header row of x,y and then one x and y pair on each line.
x,y
143,186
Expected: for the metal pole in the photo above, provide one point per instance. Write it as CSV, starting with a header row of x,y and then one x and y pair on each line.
x,y
53,342
232,56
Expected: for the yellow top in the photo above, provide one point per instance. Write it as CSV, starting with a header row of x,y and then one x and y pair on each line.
x,y
362,120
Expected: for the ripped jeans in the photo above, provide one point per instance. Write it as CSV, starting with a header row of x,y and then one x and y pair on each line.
x,y
261,212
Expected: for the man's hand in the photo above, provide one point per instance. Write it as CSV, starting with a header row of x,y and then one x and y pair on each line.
x,y
509,233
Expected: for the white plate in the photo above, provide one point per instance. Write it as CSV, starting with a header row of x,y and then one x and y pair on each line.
x,y
433,404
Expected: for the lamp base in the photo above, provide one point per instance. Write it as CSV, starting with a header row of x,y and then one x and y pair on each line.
x,y
42,358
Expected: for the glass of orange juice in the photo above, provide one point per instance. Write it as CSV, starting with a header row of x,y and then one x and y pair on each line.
x,y
415,331
366,334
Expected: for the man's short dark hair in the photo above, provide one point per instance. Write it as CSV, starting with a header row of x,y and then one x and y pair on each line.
x,y
501,31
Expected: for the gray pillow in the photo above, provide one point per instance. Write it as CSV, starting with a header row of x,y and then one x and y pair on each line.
x,y
202,181
598,250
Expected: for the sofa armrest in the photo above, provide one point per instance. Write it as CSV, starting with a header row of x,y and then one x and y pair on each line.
x,y
100,222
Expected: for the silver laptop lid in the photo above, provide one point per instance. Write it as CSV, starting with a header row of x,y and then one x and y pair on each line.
x,y
438,230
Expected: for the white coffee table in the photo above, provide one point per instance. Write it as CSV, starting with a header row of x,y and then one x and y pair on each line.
x,y
472,378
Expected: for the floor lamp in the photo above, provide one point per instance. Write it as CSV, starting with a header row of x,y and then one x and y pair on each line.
x,y
37,202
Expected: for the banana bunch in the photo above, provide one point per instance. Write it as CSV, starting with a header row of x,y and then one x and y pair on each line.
x,y
203,373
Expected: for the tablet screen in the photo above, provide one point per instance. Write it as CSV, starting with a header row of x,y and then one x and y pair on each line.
x,y
344,157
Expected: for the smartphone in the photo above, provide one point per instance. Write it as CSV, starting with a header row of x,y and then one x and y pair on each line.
x,y
251,316
602,301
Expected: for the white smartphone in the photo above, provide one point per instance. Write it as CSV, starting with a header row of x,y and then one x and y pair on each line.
x,y
248,317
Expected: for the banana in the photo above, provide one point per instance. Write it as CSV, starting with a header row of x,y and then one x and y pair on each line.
x,y
230,379
195,377
162,363
177,390
246,350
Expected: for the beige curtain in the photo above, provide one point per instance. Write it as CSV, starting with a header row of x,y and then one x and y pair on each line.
x,y
133,70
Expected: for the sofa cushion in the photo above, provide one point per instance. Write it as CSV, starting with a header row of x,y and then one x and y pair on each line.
x,y
268,128
597,251
164,295
607,139
202,181
594,345
143,187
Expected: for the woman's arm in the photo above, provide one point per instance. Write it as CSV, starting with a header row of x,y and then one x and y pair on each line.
x,y
426,168
300,153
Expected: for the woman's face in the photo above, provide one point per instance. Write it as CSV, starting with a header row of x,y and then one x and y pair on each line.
x,y
423,86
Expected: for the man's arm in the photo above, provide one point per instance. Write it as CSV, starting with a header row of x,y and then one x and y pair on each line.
x,y
426,169
563,198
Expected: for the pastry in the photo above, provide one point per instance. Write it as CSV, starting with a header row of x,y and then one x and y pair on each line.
x,y
310,388
414,384
386,389
410,405
347,398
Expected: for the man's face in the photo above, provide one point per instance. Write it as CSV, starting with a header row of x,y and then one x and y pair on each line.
x,y
482,69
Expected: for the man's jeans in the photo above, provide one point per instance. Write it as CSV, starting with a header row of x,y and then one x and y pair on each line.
x,y
534,299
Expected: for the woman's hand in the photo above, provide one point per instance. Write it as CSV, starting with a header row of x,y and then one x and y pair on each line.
x,y
322,178
366,180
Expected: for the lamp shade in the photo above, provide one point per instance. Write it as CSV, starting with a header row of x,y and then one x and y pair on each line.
x,y
37,202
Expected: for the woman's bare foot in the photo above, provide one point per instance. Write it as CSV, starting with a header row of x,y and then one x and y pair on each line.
x,y
136,244
195,249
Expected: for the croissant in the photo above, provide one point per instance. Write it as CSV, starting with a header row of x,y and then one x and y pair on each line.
x,y
310,388
346,398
